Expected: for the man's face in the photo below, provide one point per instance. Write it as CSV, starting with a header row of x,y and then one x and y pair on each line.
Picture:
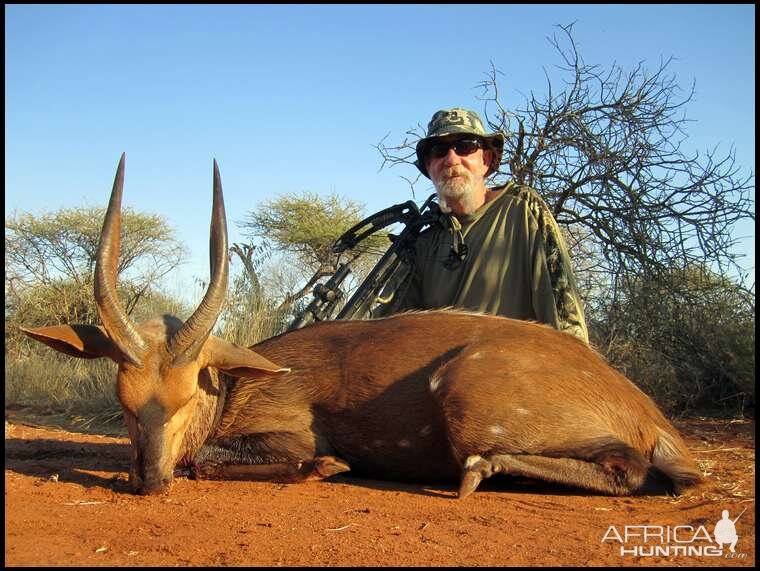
x,y
457,167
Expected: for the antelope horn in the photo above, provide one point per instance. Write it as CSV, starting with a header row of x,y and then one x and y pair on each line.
x,y
117,323
186,343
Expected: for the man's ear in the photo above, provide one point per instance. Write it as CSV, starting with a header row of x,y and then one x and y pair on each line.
x,y
238,361
488,156
81,341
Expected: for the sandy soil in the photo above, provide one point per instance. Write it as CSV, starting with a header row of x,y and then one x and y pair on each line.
x,y
67,503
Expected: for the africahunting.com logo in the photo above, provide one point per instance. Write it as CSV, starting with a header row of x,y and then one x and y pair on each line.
x,y
680,540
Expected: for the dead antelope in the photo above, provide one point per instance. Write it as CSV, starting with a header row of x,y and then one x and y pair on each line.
x,y
435,396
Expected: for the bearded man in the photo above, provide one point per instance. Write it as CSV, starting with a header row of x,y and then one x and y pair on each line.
x,y
499,249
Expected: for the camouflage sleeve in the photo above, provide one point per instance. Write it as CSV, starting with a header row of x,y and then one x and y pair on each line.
x,y
567,301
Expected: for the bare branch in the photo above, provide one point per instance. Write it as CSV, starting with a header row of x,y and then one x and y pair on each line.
x,y
606,150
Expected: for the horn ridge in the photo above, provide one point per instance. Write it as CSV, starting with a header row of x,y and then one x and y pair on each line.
x,y
115,320
186,343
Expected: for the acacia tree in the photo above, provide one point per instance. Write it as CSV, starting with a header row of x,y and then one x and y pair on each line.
x,y
304,228
50,261
606,150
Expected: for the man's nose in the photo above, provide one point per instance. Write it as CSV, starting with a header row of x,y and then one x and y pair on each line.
x,y
452,158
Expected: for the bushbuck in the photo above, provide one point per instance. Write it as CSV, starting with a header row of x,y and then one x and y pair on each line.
x,y
423,396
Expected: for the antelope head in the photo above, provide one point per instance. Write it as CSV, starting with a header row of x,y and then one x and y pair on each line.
x,y
162,362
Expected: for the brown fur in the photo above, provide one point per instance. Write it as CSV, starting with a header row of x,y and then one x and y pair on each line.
x,y
438,395
361,391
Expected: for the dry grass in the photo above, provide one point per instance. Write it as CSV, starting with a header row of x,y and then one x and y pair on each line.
x,y
36,376
59,383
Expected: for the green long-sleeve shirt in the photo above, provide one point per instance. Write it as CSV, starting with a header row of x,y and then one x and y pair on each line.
x,y
517,265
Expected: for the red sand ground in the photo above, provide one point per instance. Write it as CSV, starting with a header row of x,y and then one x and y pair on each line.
x,y
67,503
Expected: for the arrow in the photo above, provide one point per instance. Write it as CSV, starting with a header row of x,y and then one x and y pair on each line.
x,y
740,515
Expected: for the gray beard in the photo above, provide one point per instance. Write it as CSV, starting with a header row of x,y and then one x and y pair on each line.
x,y
456,190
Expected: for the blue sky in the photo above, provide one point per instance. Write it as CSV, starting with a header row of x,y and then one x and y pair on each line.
x,y
293,98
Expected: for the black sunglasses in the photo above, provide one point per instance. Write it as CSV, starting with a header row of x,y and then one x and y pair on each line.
x,y
462,147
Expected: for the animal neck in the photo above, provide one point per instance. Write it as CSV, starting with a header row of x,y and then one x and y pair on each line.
x,y
212,394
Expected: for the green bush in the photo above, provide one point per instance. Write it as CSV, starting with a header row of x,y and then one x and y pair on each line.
x,y
692,350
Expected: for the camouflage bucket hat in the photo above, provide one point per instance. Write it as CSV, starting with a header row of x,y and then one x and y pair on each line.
x,y
454,122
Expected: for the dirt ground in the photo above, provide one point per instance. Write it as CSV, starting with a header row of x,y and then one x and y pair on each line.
x,y
67,504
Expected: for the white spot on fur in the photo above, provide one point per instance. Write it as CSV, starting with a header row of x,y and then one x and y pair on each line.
x,y
435,382
426,430
496,429
404,443
471,461
522,411
477,355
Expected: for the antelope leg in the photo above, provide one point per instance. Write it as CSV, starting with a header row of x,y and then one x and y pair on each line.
x,y
289,472
598,477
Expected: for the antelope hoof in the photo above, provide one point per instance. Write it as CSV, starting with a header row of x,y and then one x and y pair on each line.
x,y
470,481
476,469
324,467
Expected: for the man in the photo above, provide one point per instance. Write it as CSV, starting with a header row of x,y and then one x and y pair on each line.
x,y
725,532
499,250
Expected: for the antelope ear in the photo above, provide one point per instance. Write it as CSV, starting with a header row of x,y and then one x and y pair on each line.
x,y
82,341
238,361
